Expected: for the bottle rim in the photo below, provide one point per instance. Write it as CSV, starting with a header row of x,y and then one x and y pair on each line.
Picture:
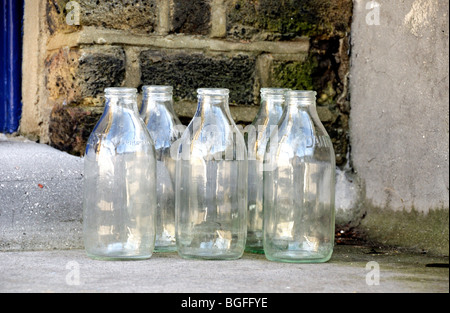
x,y
120,91
302,94
157,89
213,91
274,91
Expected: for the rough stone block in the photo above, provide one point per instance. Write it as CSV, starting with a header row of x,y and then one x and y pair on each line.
x,y
56,17
132,15
190,17
70,127
188,71
286,19
81,75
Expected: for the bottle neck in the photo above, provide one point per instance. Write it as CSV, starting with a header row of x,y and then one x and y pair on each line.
x,y
155,97
301,100
210,99
273,99
121,98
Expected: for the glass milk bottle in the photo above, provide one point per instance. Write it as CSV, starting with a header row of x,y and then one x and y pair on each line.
x,y
119,178
211,201
257,136
165,128
299,218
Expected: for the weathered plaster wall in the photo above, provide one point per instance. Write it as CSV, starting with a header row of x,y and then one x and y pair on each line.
x,y
400,119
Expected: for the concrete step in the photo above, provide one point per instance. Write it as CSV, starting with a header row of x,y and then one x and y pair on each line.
x,y
352,269
40,197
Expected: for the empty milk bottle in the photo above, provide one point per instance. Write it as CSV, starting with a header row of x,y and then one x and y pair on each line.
x,y
211,201
257,135
165,128
299,188
119,177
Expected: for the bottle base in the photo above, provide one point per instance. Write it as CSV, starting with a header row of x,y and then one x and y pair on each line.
x,y
298,256
209,255
99,257
166,249
254,242
116,252
256,250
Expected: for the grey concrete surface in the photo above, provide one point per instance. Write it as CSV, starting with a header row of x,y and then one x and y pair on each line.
x,y
40,197
349,271
399,93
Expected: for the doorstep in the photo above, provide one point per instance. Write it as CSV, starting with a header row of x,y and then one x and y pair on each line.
x,y
352,269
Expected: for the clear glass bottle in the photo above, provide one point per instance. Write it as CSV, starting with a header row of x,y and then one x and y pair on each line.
x,y
165,128
211,201
257,135
119,178
299,192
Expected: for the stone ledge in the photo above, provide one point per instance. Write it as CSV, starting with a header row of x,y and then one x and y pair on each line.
x,y
97,36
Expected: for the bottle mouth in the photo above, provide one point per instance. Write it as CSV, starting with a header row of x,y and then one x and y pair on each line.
x,y
302,98
302,94
274,91
213,92
120,91
157,89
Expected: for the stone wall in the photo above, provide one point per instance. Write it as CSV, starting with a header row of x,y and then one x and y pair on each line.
x,y
236,44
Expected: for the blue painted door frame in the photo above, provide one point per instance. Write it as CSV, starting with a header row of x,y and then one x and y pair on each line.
x,y
11,18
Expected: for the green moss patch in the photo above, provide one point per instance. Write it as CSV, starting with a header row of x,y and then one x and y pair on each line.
x,y
427,232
